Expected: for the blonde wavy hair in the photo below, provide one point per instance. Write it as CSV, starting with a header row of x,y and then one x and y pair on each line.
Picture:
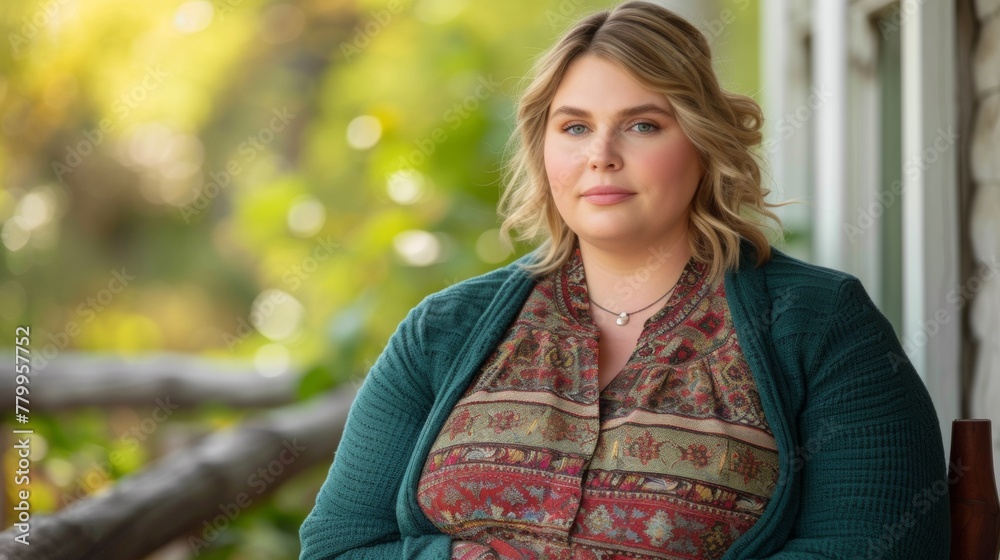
x,y
664,53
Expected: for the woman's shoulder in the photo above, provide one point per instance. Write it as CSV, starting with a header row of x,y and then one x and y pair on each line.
x,y
800,297
794,295
473,289
463,302
784,276
784,266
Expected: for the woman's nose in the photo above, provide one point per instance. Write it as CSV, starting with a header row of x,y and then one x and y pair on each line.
x,y
604,154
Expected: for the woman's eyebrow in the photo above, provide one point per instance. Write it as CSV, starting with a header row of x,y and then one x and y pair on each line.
x,y
624,113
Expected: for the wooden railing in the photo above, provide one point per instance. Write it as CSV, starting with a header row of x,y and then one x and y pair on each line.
x,y
195,489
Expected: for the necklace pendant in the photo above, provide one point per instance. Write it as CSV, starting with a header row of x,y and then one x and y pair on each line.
x,y
622,319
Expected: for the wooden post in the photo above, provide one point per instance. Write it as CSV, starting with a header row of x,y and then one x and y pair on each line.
x,y
975,508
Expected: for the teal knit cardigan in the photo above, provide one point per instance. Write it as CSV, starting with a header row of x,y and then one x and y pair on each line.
x,y
862,462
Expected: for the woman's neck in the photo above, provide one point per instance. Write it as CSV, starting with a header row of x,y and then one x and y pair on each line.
x,y
630,280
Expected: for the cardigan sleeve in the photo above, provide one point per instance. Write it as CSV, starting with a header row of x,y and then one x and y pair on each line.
x,y
874,484
355,511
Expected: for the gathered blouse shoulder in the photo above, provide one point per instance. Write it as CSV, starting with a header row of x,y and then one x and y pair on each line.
x,y
673,459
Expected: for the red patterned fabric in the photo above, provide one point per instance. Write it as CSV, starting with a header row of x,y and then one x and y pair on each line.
x,y
673,459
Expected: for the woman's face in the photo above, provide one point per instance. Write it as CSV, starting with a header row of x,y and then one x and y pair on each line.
x,y
621,170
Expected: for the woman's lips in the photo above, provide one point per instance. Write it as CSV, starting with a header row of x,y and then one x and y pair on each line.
x,y
606,195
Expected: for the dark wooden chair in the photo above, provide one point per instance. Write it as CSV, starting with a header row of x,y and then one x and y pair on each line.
x,y
975,508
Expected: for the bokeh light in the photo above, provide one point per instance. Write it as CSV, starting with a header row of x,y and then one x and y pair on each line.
x,y
306,216
276,314
14,234
438,12
272,360
490,247
418,247
193,16
363,132
36,208
406,186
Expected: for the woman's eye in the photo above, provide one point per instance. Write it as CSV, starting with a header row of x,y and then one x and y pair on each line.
x,y
575,129
644,127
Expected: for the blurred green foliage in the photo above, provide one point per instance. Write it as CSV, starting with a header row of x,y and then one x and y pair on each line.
x,y
278,181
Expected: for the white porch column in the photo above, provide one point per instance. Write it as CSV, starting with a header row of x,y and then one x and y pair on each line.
x,y
984,401
830,76
931,318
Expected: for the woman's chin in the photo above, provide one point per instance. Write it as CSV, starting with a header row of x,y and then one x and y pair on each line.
x,y
611,238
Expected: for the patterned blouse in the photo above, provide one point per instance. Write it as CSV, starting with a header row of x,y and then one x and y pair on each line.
x,y
672,459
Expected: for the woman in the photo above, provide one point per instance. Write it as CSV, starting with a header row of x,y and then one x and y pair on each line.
x,y
654,381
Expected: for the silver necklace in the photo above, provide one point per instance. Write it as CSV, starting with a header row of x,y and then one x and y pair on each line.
x,y
622,319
